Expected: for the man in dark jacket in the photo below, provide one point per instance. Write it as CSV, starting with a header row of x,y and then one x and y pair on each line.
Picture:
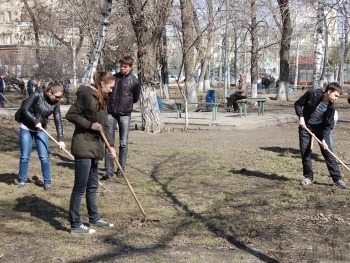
x,y
125,93
2,89
315,110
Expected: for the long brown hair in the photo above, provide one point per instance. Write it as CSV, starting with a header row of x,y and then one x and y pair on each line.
x,y
98,77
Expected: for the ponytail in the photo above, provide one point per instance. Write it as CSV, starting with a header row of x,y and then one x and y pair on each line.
x,y
98,77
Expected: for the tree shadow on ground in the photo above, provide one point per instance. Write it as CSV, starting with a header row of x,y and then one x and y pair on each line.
x,y
282,151
8,178
67,162
215,228
288,151
42,210
246,172
10,136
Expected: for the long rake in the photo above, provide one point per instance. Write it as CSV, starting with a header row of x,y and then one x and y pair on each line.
x,y
124,176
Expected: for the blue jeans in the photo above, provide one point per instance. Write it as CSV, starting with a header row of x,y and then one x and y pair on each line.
x,y
123,127
331,144
85,181
42,144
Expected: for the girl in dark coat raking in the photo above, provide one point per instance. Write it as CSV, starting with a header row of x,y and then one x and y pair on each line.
x,y
89,114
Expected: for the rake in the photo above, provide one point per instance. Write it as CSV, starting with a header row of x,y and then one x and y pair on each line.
x,y
124,176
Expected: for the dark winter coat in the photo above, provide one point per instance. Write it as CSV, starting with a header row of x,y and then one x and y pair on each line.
x,y
307,104
37,108
126,91
88,143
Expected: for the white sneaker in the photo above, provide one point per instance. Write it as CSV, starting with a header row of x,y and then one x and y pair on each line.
x,y
306,181
102,223
82,230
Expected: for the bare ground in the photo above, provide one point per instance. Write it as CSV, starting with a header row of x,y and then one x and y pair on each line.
x,y
219,196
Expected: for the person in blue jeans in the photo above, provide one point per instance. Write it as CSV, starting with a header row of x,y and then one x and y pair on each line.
x,y
125,93
89,115
34,114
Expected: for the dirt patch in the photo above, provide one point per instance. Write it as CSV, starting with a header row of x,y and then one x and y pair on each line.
x,y
219,196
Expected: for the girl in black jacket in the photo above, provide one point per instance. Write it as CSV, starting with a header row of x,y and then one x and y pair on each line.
x,y
34,114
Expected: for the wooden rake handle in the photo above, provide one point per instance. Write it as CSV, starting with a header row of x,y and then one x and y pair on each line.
x,y
70,155
314,136
52,138
122,172
5,98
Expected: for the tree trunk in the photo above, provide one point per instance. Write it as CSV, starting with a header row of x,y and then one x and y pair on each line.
x,y
164,67
284,50
36,28
151,119
148,35
99,43
319,52
254,50
188,49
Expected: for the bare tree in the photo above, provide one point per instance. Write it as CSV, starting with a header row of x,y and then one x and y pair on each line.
x,y
284,49
204,83
148,20
319,50
254,48
99,42
188,48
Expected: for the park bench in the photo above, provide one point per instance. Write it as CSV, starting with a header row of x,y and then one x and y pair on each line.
x,y
243,105
213,105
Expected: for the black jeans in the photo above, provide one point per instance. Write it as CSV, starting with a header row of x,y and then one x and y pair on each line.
x,y
86,181
305,148
232,101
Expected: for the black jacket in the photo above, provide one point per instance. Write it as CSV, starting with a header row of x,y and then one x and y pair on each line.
x,y
307,104
37,108
87,143
126,91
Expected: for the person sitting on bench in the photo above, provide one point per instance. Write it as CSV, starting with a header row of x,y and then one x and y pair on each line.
x,y
241,93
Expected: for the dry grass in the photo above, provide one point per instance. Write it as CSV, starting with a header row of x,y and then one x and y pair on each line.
x,y
219,196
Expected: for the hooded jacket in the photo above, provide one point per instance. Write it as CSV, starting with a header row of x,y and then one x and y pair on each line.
x,y
37,108
307,104
87,143
126,91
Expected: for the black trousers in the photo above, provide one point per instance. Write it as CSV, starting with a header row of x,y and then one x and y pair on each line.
x,y
85,181
232,101
305,149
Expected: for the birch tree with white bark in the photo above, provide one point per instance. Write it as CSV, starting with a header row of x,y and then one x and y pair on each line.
x,y
320,45
99,42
